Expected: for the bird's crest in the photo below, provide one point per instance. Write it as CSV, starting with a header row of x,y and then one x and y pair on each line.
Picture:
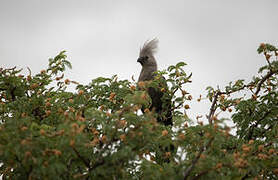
x,y
149,47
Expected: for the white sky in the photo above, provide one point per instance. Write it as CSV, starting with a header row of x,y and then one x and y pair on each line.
x,y
216,38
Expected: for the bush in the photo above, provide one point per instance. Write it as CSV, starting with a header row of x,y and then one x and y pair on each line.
x,y
99,132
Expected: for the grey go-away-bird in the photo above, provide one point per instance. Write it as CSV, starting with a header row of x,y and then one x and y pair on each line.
x,y
149,66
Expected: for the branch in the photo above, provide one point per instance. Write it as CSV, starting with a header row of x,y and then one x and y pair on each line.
x,y
82,159
194,162
268,75
212,108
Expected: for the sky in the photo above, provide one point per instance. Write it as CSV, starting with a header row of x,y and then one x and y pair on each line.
x,y
216,38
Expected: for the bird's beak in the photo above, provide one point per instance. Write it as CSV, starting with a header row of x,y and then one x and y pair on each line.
x,y
139,60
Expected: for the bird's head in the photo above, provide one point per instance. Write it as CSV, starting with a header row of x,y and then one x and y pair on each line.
x,y
146,57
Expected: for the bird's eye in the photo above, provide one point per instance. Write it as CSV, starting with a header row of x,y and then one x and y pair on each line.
x,y
146,57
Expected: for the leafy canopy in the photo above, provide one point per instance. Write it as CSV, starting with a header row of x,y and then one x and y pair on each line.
x,y
99,132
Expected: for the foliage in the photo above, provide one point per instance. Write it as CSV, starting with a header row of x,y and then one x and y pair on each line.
x,y
99,132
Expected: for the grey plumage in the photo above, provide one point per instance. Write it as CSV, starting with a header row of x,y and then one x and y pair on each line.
x,y
147,60
149,66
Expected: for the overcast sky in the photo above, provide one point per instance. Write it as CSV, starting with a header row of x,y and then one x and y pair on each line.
x,y
216,38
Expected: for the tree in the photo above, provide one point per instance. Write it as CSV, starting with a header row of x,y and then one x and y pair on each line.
x,y
98,132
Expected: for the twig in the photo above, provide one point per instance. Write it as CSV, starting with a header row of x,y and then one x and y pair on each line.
x,y
194,162
212,108
268,75
80,157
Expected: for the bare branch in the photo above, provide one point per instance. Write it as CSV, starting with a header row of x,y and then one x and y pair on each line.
x,y
213,108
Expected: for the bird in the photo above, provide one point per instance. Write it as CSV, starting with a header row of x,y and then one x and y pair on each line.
x,y
160,105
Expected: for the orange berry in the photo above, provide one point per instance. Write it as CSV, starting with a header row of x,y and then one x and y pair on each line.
x,y
61,132
236,155
72,142
34,86
28,154
251,141
122,137
60,110
164,133
67,81
101,108
245,148
74,126
108,114
47,113
237,101
47,104
267,56
24,128
42,132
144,96
181,136
222,97
141,84
203,156
261,147
214,118
66,113
112,95
186,106
80,92
104,139
223,108
71,109
95,132
57,152
122,123
219,166
81,119
262,156
275,171
207,135
23,115
168,154
95,141
262,45
271,151
132,87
